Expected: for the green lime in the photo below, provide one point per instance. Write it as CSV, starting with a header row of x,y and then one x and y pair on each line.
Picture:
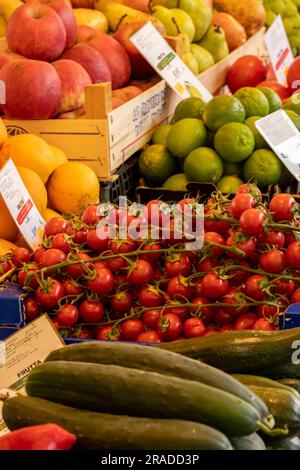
x,y
160,134
203,165
260,142
264,167
254,101
229,184
221,110
189,108
176,182
293,103
234,142
185,136
232,168
294,117
273,98
156,164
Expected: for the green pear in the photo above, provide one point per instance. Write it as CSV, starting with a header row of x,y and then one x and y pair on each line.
x,y
185,43
191,62
200,13
204,58
183,22
165,16
214,42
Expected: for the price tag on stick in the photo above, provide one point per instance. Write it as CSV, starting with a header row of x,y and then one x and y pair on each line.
x,y
20,205
279,49
168,64
284,139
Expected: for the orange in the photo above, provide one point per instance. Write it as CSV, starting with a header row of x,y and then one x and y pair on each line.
x,y
3,132
35,187
29,151
8,228
72,187
6,246
59,156
49,214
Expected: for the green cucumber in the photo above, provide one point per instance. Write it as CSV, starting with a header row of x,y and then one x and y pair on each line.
x,y
262,382
96,431
293,383
255,352
288,370
284,406
252,442
136,356
120,390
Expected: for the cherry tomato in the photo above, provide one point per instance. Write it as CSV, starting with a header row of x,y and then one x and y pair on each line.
x,y
198,289
150,336
151,296
80,236
241,203
20,256
5,266
151,318
153,212
205,313
108,333
228,327
295,296
67,315
142,272
272,261
170,326
49,294
262,324
98,239
290,237
180,287
71,288
272,238
214,237
152,257
121,302
193,327
91,216
251,189
122,246
23,275
211,332
213,286
237,276
91,311
268,311
252,221
246,321
78,269
284,286
37,255
131,329
51,257
254,286
116,264
84,333
215,225
177,264
56,225
60,242
181,312
247,245
282,207
31,309
234,299
221,317
103,283
207,265
292,255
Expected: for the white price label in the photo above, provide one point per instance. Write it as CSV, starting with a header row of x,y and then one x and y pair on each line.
x,y
168,64
279,49
20,205
284,138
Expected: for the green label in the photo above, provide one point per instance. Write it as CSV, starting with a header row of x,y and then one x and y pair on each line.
x,y
166,60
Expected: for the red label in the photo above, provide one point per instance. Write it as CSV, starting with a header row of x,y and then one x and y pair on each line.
x,y
282,58
24,211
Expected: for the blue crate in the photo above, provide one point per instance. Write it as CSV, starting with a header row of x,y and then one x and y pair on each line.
x,y
12,312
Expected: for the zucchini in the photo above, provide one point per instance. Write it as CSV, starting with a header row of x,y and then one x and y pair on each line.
x,y
293,383
136,356
240,351
263,382
284,406
252,442
96,431
119,390
288,370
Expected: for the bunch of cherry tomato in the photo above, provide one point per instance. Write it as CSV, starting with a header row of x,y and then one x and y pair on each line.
x,y
92,286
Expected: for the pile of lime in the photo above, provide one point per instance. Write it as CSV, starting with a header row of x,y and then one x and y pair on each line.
x,y
289,11
217,143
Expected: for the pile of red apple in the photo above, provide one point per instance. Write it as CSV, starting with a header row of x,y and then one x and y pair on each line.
x,y
49,61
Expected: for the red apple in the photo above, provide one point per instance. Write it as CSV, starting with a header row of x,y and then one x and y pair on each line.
x,y
78,113
281,90
140,68
33,89
74,79
248,71
64,10
115,55
91,60
293,76
8,56
36,32
85,33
